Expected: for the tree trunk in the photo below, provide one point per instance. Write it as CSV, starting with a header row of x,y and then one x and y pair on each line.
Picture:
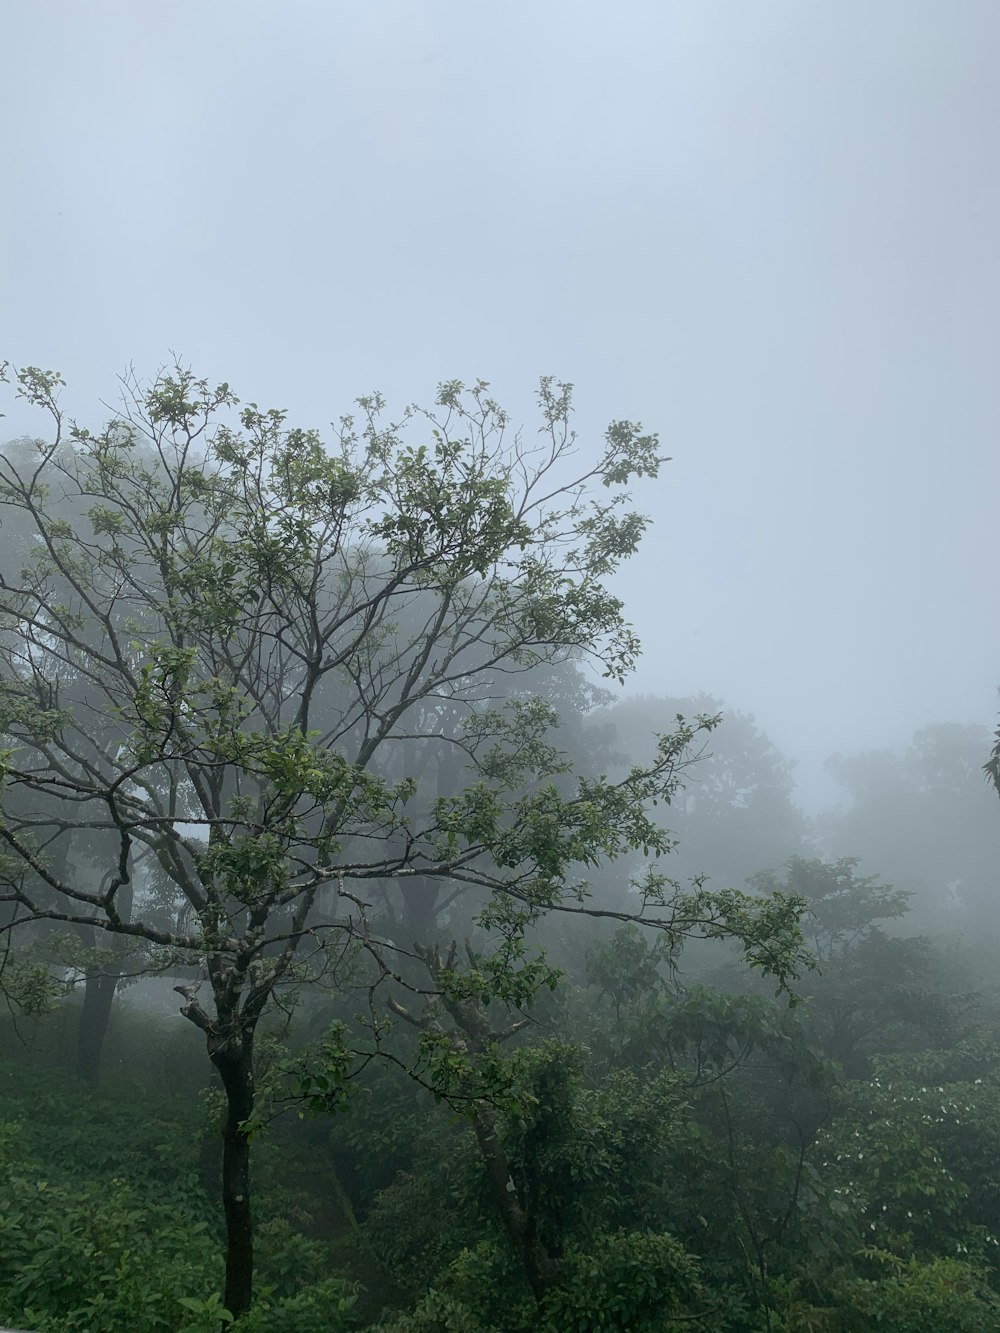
x,y
420,897
234,1062
99,988
539,1267
98,996
517,1214
229,1038
210,1160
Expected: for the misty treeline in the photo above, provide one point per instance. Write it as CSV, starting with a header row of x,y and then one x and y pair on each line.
x,y
368,963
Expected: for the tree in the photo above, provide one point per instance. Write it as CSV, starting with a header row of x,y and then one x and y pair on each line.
x,y
924,818
239,659
912,1156
737,812
96,965
871,991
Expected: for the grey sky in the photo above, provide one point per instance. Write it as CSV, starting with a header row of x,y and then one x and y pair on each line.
x,y
770,230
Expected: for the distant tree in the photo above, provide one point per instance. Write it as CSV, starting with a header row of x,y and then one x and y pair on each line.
x,y
916,1145
871,991
924,819
736,812
266,640
94,963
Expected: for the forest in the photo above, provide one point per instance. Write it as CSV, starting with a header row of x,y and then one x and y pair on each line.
x,y
371,961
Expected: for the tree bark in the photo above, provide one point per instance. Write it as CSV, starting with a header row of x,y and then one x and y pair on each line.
x,y
539,1267
99,988
95,1016
234,1061
518,1216
210,1160
230,1038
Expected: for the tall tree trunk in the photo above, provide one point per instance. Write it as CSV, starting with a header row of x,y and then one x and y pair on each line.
x,y
230,1037
234,1061
539,1267
99,988
95,1016
517,1212
420,897
210,1159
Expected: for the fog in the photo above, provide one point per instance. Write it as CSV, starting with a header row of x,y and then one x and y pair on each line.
x,y
767,231
525,990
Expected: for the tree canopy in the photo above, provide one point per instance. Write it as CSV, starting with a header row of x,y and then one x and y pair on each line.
x,y
287,673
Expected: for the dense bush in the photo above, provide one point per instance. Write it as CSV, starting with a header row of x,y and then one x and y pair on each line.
x,y
733,1180
105,1226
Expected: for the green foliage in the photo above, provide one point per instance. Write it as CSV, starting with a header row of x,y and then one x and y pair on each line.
x,y
627,1282
96,1257
508,974
381,1128
841,906
328,1306
991,769
737,810
104,1224
208,1314
915,1149
653,1207
323,675
440,1312
916,1297
420,1223
592,1158
871,990
321,1077
99,1229
29,986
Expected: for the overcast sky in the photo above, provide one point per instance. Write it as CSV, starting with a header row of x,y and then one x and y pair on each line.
x,y
770,230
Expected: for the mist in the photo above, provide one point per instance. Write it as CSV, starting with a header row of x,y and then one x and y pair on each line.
x,y
499,667
770,233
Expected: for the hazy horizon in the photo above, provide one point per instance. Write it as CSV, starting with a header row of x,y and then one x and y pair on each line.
x,y
769,232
